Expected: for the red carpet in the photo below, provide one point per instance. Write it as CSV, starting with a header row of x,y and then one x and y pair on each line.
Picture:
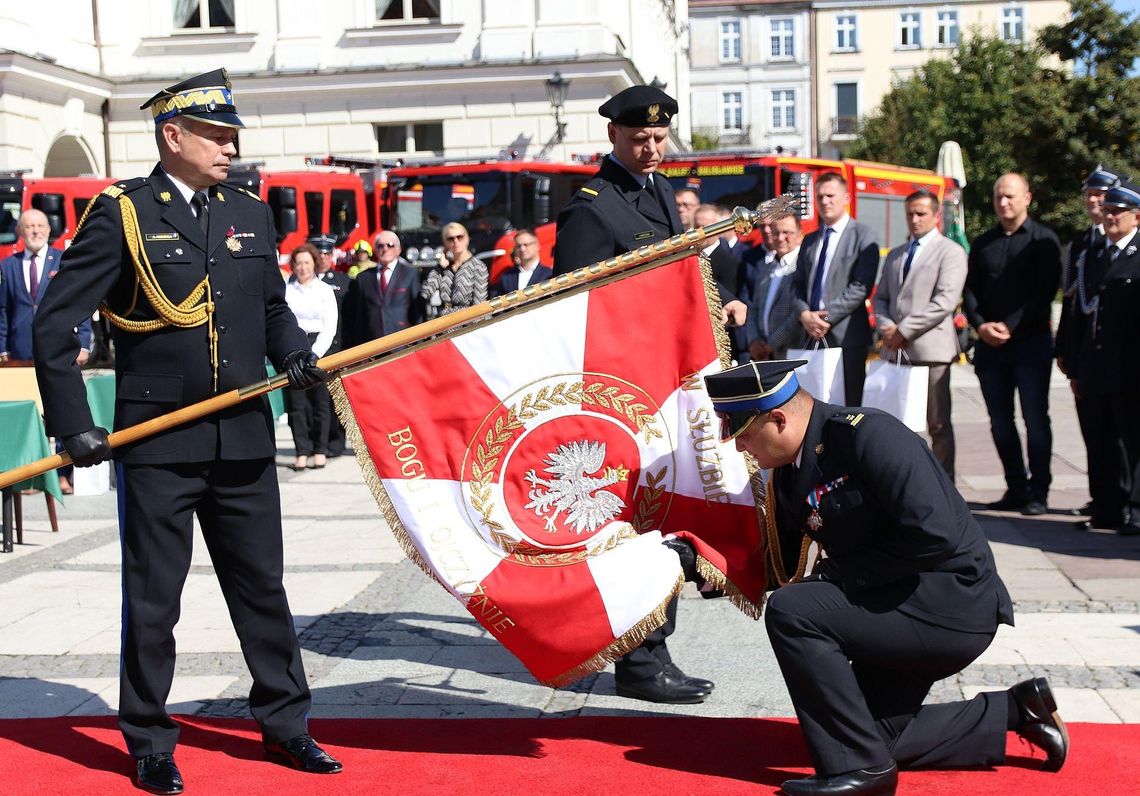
x,y
646,755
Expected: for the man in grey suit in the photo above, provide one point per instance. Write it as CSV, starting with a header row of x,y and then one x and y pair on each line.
x,y
772,326
920,286
837,267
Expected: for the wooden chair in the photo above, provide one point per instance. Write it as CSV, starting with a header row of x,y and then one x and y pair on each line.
x,y
18,506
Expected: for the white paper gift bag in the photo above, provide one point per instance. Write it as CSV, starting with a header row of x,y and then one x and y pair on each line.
x,y
898,390
822,376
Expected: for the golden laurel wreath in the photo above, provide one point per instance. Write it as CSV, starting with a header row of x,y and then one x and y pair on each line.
x,y
490,449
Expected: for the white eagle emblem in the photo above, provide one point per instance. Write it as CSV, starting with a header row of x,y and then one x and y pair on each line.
x,y
573,490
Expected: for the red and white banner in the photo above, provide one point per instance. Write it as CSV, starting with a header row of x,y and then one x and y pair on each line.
x,y
530,463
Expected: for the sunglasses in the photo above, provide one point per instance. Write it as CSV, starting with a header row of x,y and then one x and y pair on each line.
x,y
387,245
453,238
1116,210
733,424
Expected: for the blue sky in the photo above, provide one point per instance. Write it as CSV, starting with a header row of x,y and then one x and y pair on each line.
x,y
1131,6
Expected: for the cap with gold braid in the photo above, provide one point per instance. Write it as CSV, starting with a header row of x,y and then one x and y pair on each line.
x,y
207,97
739,394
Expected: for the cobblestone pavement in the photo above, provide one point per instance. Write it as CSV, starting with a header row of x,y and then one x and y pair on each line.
x,y
381,640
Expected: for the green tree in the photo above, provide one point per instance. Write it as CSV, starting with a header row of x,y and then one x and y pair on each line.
x,y
1052,110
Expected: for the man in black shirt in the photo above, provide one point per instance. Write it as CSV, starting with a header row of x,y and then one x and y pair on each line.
x,y
1013,274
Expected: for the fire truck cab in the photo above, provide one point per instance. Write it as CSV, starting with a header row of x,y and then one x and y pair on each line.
x,y
878,190
61,199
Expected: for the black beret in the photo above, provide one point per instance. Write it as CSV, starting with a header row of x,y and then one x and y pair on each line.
x,y
207,97
640,106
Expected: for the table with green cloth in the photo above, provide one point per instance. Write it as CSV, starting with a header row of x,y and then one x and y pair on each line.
x,y
23,441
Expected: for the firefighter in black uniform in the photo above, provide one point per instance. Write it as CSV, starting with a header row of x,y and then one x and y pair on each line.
x,y
1104,448
185,268
908,592
624,206
1106,373
339,282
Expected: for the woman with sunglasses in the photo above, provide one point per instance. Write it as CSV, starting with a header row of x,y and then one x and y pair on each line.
x,y
460,281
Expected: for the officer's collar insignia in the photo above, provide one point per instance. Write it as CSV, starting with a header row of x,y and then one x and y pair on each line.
x,y
1131,250
164,196
819,449
220,197
653,113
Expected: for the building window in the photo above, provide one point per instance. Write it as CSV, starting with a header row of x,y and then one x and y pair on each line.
x,y
730,41
947,28
846,108
909,33
1013,24
783,38
194,14
407,10
731,112
414,137
784,109
845,40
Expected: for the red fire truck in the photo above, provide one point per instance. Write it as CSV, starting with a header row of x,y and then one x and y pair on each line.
x,y
62,200
878,190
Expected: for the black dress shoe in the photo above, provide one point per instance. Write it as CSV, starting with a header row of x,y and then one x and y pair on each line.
x,y
303,753
663,687
882,781
158,774
1034,508
1040,723
1010,501
1129,529
698,682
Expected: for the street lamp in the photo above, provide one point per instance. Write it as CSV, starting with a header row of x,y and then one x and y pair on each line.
x,y
556,87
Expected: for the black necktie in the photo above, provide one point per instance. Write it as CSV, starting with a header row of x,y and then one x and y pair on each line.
x,y
909,258
202,208
816,297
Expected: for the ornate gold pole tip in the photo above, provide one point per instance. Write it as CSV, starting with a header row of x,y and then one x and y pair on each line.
x,y
778,206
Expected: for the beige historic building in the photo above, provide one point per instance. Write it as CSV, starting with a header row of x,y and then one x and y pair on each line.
x,y
863,47
360,78
750,73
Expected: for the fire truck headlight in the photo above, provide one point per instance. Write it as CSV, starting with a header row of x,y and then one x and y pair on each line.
x,y
412,254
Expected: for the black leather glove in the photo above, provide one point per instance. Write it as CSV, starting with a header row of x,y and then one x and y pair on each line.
x,y
301,368
88,448
825,569
688,557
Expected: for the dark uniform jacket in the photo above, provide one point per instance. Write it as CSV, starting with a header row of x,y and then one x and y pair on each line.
x,y
1082,252
897,534
340,283
1107,359
612,214
159,371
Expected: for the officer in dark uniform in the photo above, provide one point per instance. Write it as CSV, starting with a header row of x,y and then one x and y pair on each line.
x,y
626,205
908,592
185,268
1106,374
623,207
339,282
1104,447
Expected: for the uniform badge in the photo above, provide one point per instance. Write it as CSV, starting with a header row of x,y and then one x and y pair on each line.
x,y
164,196
219,196
819,449
814,520
643,235
233,244
652,113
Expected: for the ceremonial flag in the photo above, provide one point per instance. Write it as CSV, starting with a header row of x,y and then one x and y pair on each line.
x,y
531,463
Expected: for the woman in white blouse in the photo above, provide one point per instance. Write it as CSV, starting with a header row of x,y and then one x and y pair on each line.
x,y
314,304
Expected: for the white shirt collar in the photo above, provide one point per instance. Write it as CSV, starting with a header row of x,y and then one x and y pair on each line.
x,y
928,237
839,225
184,189
1123,242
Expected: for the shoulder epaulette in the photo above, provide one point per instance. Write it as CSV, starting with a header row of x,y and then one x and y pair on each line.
x,y
237,189
847,419
592,188
117,189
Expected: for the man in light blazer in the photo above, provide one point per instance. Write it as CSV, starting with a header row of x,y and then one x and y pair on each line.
x,y
24,277
384,299
772,325
921,284
837,267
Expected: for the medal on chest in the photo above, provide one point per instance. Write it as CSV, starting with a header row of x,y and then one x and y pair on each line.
x,y
815,520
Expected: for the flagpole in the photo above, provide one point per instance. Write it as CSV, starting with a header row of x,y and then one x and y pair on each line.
x,y
678,247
